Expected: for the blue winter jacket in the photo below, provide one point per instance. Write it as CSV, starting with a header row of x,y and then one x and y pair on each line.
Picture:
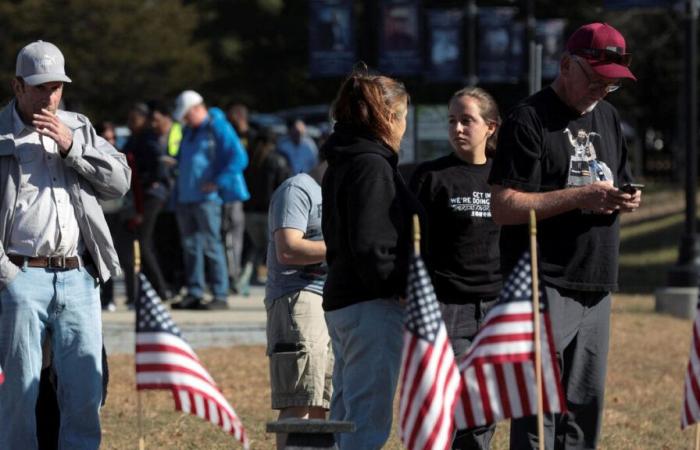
x,y
211,152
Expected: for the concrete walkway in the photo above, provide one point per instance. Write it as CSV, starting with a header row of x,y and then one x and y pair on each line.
x,y
243,323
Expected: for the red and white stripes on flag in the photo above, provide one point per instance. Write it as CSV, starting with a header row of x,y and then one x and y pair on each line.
x,y
2,376
691,387
430,382
165,361
498,371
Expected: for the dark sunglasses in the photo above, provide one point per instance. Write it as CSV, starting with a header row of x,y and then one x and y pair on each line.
x,y
605,55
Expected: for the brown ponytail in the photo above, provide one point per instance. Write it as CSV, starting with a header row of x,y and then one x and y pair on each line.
x,y
370,103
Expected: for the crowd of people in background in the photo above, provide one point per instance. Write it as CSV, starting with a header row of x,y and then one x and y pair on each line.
x,y
168,244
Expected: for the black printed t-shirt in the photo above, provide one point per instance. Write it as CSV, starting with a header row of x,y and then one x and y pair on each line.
x,y
462,238
545,146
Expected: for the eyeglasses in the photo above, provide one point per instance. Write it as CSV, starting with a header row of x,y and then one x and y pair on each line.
x,y
605,55
597,85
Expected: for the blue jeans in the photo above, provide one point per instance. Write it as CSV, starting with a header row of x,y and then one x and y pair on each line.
x,y
367,342
200,229
66,305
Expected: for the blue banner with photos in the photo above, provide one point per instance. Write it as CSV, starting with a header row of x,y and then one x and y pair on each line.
x,y
500,51
400,37
626,4
550,33
331,38
445,45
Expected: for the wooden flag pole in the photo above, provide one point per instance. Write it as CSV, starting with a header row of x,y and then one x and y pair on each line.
x,y
697,436
137,269
538,334
416,234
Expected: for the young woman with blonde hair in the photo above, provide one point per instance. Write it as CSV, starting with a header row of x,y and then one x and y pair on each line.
x,y
462,251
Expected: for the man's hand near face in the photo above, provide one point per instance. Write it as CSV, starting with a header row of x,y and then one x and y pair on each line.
x,y
48,124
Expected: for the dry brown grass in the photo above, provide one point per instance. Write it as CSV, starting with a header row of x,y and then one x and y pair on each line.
x,y
648,355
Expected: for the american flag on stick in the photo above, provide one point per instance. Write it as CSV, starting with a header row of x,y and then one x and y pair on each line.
x,y
498,371
2,376
430,383
165,361
691,387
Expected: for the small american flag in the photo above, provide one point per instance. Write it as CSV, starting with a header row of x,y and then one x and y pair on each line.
x,y
165,361
498,371
691,388
431,383
2,376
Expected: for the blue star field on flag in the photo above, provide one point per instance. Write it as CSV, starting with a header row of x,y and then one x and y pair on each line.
x,y
151,314
423,314
518,285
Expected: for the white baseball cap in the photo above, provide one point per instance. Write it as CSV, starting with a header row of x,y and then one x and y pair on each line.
x,y
41,62
185,101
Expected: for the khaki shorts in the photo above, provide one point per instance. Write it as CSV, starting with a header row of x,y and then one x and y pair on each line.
x,y
301,358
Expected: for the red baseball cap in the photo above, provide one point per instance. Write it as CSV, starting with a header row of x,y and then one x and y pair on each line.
x,y
603,47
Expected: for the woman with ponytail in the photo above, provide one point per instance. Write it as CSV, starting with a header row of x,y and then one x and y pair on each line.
x,y
367,211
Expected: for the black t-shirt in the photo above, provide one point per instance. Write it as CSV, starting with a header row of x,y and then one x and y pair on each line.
x,y
545,146
462,237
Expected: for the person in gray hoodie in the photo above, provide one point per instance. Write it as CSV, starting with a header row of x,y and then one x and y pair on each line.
x,y
55,248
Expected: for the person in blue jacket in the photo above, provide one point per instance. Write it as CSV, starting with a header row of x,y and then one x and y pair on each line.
x,y
211,161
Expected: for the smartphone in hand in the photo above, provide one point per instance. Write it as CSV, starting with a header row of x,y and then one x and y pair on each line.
x,y
631,188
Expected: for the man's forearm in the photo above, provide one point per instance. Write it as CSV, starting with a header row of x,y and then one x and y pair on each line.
x,y
512,207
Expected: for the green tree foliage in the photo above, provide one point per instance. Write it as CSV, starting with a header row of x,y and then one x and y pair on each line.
x,y
117,52
259,50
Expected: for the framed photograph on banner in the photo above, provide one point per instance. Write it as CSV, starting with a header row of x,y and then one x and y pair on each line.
x,y
445,45
500,48
400,51
331,38
550,33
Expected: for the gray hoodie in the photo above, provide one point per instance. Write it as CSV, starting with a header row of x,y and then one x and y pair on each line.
x,y
95,171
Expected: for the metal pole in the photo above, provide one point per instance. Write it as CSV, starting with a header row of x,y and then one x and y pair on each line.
x,y
472,11
687,270
531,89
535,65
530,45
538,67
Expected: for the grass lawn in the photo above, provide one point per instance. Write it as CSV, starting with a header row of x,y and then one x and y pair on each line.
x,y
648,355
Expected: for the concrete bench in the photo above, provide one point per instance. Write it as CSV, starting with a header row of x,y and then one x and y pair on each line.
x,y
311,434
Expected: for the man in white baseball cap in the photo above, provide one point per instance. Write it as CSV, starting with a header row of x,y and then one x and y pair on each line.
x,y
184,103
211,160
56,249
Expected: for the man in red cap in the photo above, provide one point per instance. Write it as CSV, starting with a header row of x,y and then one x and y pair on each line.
x,y
561,152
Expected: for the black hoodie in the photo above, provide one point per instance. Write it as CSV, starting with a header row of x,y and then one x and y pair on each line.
x,y
367,217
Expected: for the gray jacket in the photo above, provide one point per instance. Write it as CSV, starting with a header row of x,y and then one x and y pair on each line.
x,y
95,171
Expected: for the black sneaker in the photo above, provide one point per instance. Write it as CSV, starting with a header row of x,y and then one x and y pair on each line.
x,y
216,305
189,302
